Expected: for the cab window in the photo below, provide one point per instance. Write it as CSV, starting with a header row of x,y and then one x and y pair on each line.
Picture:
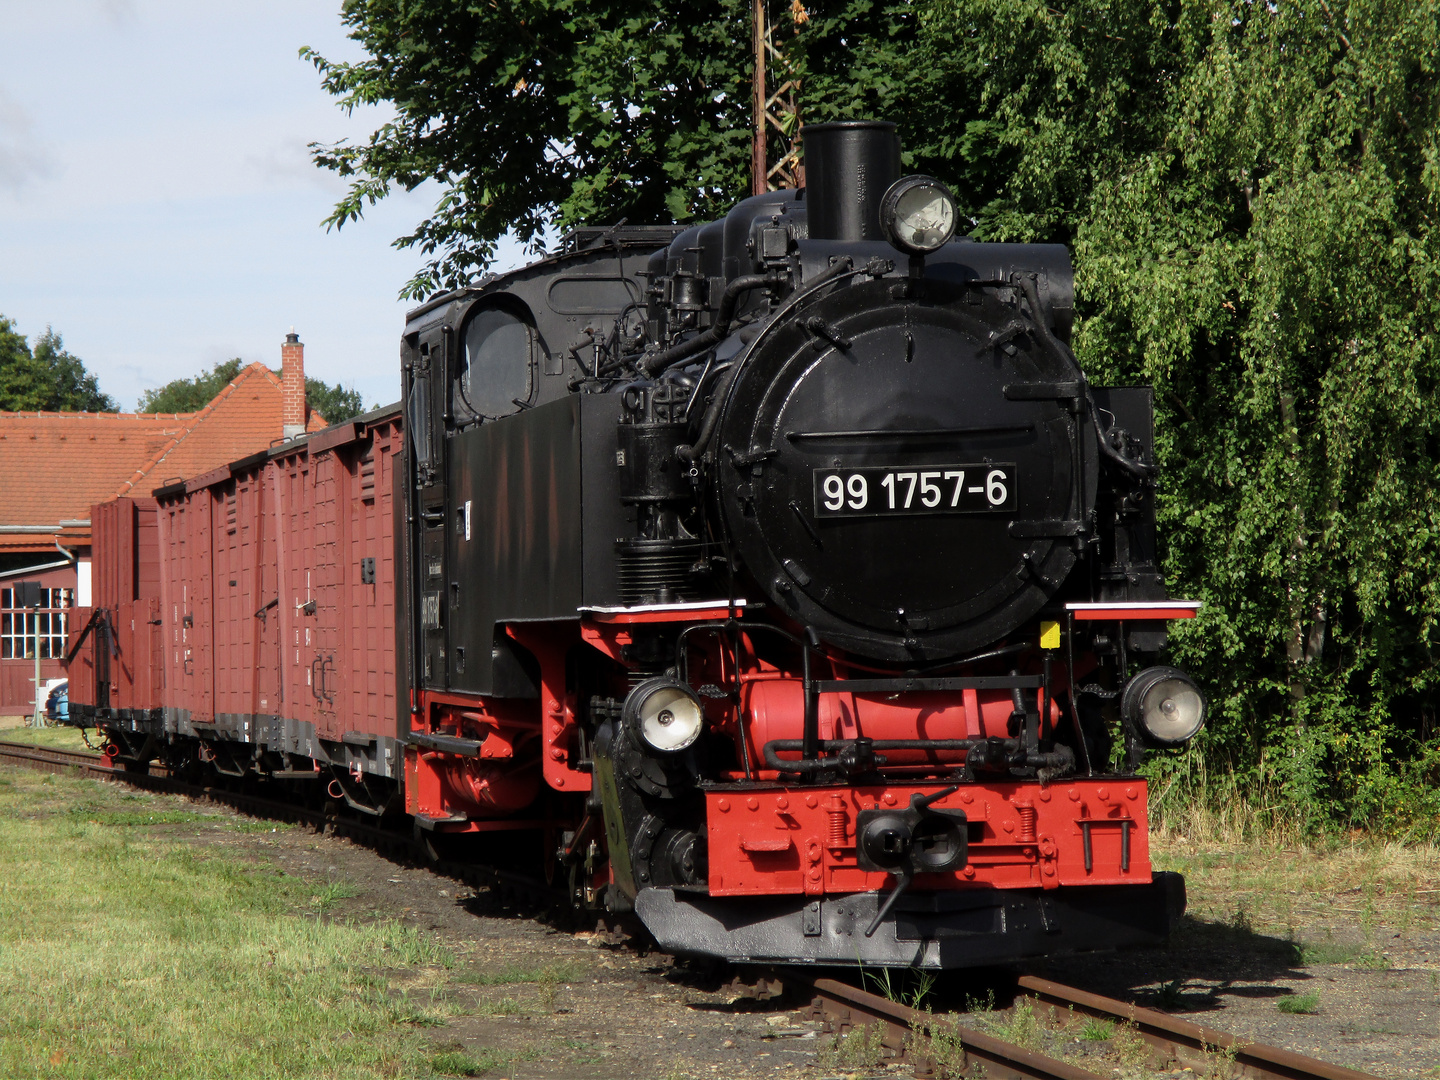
x,y
494,376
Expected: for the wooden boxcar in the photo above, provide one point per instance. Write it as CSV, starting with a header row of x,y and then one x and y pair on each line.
x,y
252,609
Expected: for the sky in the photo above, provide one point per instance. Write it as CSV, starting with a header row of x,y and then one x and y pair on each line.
x,y
158,205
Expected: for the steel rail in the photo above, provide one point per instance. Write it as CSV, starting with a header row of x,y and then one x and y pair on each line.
x,y
846,1006
1186,1042
51,759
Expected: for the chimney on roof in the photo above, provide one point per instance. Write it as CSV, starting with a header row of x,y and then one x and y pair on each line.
x,y
292,386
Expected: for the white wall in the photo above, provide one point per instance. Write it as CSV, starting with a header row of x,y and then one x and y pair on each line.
x,y
82,583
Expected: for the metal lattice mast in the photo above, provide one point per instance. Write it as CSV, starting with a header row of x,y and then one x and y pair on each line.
x,y
776,106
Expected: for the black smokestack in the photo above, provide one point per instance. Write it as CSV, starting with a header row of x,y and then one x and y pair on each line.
x,y
849,165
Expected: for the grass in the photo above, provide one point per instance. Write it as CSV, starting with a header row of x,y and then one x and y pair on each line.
x,y
505,1006
1271,880
132,818
126,952
1097,1030
245,825
507,976
330,894
906,987
456,1062
59,738
1300,1004
547,978
1333,952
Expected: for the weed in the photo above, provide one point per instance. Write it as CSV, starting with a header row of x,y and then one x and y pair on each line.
x,y
1128,1045
941,1042
582,1053
880,982
1241,920
1170,993
891,988
860,1048
980,1008
549,983
1023,1028
1372,960
1300,1004
332,893
924,983
1097,1030
1220,1062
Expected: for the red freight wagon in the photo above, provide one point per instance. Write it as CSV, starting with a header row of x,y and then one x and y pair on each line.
x,y
266,591
113,646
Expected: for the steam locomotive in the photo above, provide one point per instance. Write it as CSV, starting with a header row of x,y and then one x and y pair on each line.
x,y
783,577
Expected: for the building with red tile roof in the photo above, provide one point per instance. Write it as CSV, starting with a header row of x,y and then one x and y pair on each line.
x,y
54,466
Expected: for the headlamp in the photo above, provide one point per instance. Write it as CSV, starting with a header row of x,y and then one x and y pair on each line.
x,y
666,713
1163,706
918,214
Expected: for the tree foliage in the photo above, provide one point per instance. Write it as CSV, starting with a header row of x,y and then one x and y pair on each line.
x,y
335,403
190,395
47,378
1250,190
542,113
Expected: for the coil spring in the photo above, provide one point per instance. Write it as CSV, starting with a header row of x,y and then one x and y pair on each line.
x,y
836,832
1028,817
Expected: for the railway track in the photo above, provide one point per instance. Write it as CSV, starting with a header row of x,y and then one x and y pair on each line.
x,y
48,759
842,1006
1174,1042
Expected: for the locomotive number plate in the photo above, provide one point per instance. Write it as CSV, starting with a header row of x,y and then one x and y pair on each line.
x,y
880,491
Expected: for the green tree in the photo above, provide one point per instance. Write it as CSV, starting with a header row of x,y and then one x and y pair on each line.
x,y
542,113
1251,190
46,379
190,395
334,403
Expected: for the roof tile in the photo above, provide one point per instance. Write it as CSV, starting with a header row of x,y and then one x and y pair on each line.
x,y
55,466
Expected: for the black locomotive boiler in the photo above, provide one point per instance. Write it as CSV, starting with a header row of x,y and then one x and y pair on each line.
x,y
790,574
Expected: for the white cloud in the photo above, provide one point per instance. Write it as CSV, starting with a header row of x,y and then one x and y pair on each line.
x,y
117,12
23,161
